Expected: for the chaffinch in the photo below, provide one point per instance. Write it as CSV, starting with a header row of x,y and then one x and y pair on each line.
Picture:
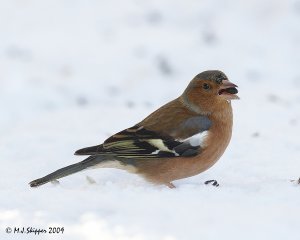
x,y
181,139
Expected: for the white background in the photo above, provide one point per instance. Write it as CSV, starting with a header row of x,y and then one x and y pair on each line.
x,y
73,72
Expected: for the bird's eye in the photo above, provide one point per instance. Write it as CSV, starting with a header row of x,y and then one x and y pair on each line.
x,y
206,86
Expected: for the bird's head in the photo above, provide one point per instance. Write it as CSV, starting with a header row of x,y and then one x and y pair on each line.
x,y
209,89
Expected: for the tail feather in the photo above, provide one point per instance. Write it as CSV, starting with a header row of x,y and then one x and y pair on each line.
x,y
63,172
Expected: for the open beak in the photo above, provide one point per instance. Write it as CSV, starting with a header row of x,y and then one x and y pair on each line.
x,y
228,90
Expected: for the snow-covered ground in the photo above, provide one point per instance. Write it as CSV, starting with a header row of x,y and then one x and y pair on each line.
x,y
74,72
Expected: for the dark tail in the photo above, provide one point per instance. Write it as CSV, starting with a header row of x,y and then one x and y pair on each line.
x,y
63,172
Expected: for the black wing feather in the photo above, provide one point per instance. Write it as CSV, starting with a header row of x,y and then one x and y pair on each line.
x,y
139,142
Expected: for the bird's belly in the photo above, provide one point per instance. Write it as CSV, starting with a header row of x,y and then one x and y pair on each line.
x,y
167,170
116,164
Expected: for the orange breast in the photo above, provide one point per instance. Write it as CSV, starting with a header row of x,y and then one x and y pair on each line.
x,y
169,169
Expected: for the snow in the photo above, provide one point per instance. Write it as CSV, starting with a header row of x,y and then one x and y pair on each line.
x,y
74,72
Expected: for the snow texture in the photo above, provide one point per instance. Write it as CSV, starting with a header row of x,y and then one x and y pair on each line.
x,y
74,72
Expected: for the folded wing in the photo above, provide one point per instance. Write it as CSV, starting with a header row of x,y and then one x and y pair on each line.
x,y
138,142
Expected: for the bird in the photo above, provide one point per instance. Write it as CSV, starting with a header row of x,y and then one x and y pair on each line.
x,y
183,138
